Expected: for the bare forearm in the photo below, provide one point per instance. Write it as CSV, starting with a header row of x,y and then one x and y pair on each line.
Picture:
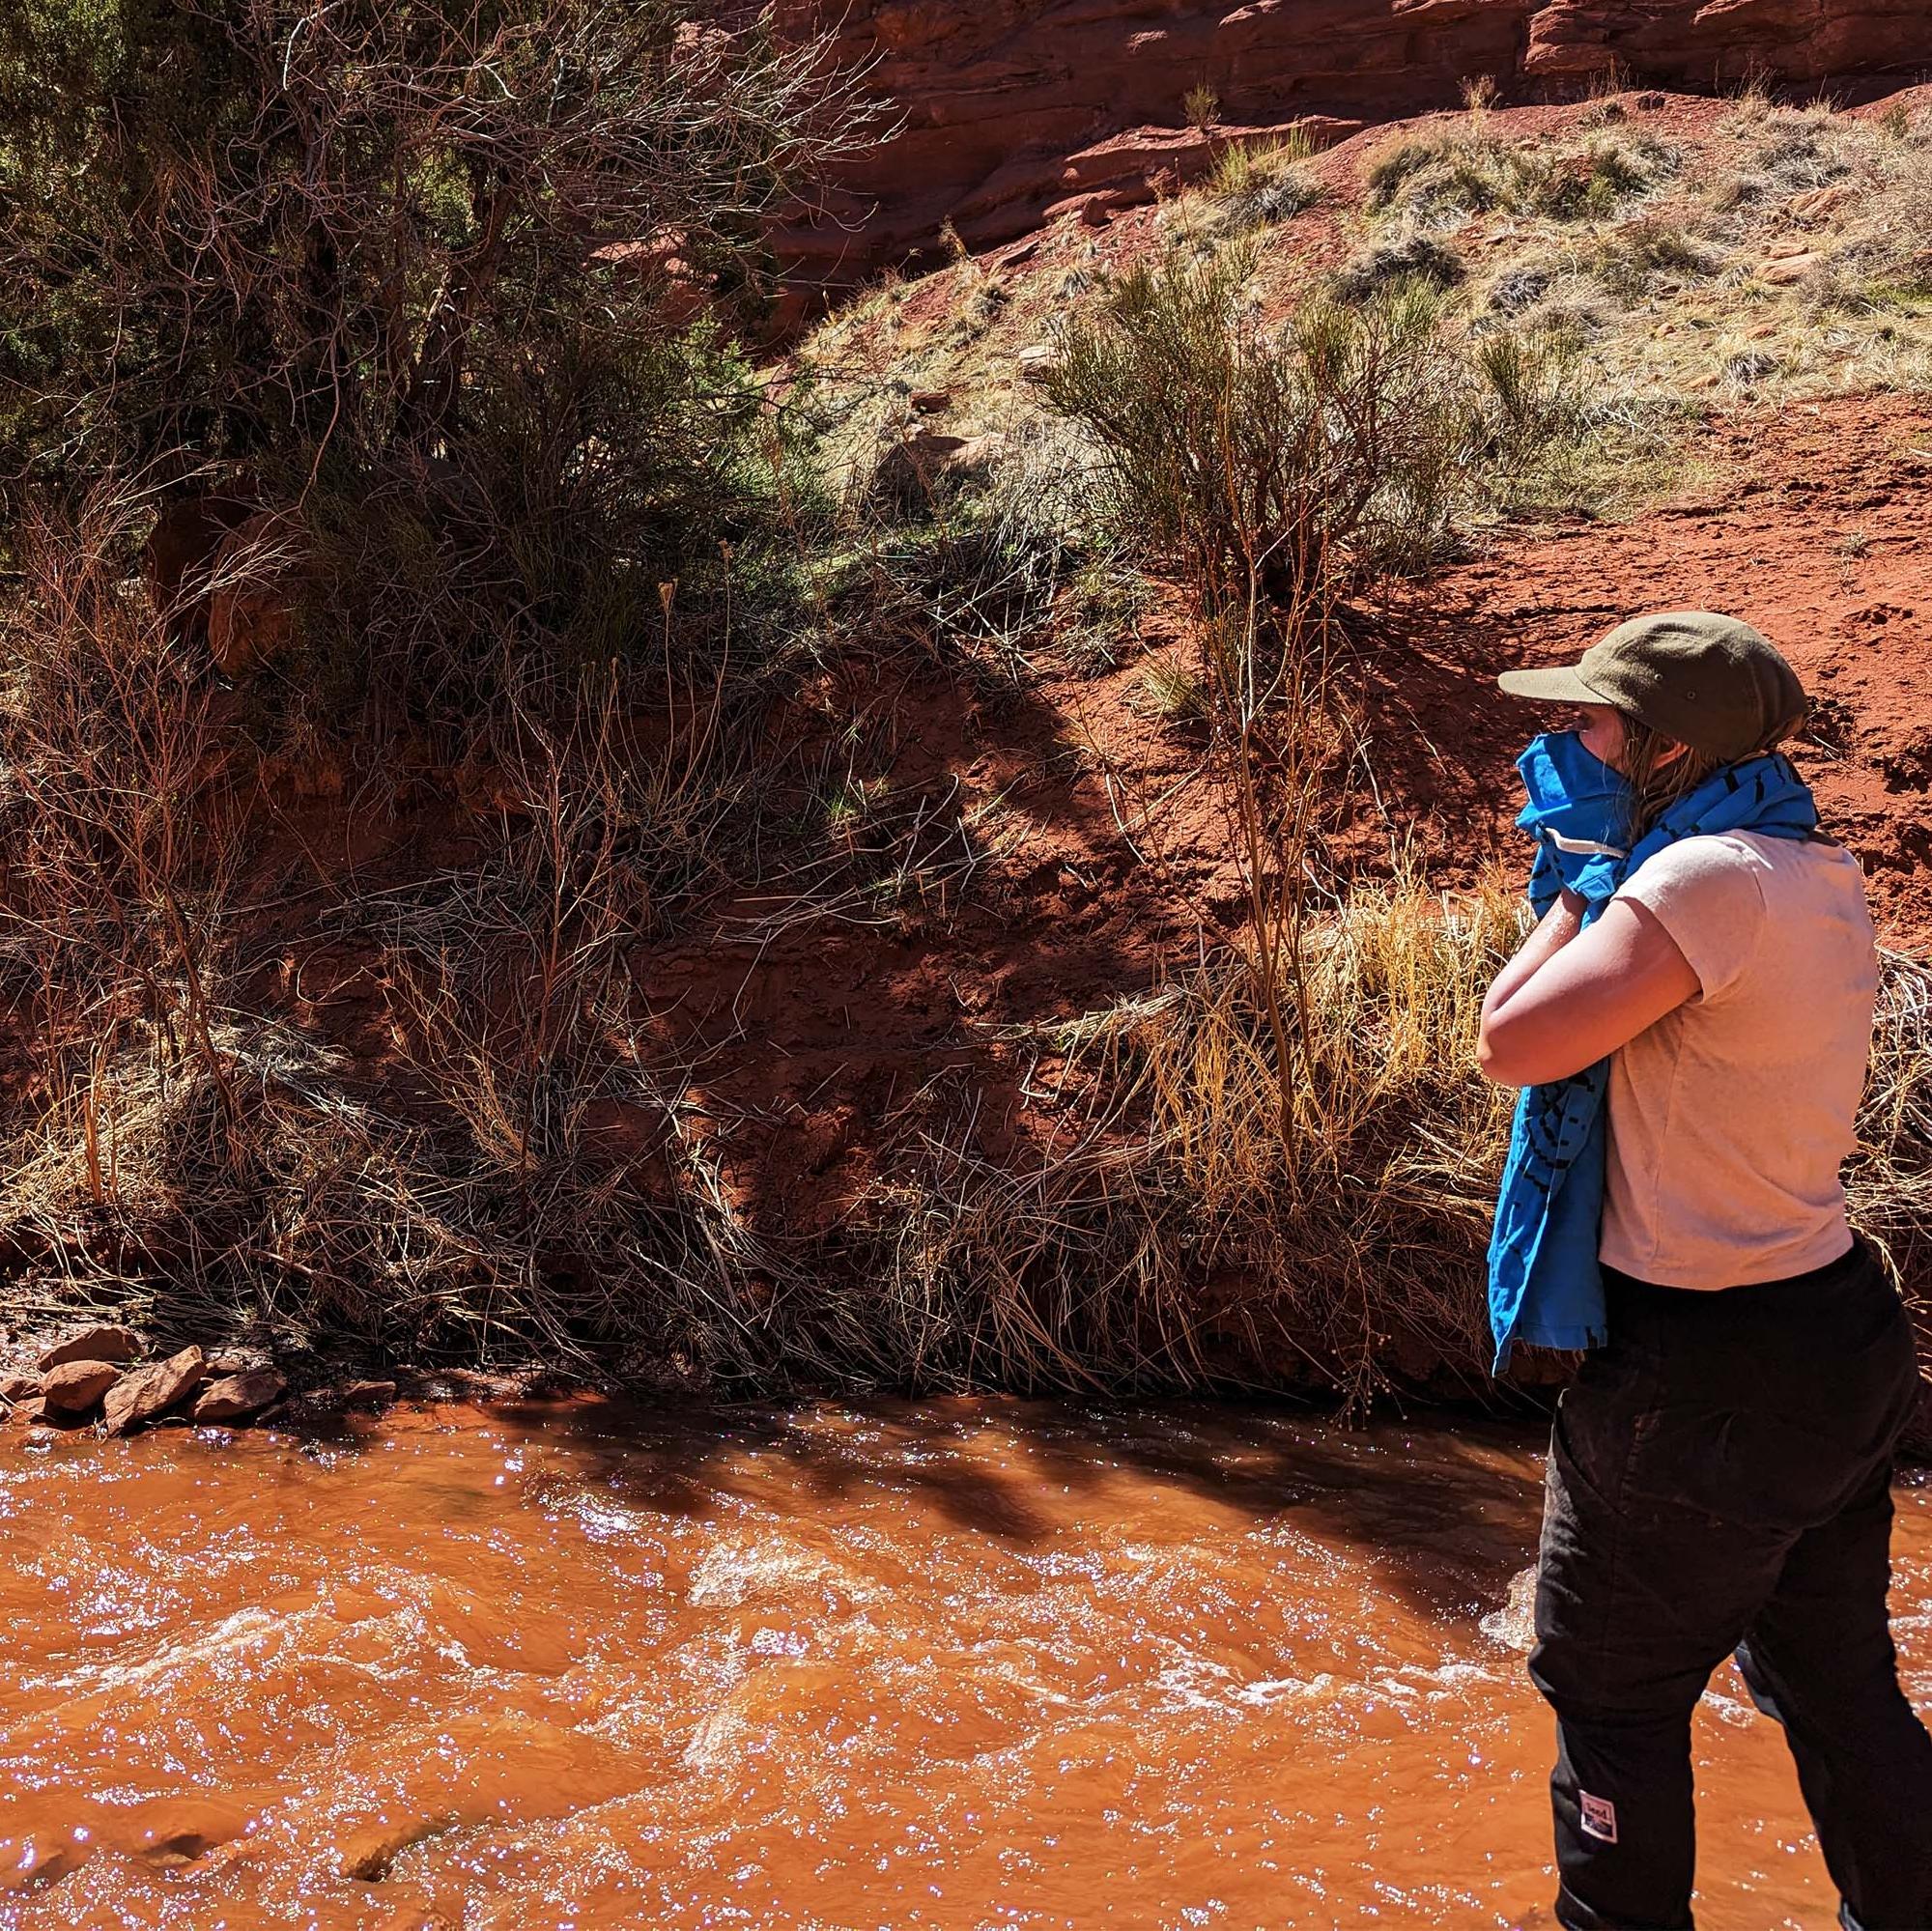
x,y
1554,930
1572,997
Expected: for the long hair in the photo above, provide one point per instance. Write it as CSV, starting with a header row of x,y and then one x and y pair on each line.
x,y
1656,786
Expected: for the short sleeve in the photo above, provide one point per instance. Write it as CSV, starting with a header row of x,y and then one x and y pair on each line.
x,y
1706,893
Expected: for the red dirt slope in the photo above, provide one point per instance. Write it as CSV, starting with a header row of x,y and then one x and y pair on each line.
x,y
824,1042
1012,107
1813,527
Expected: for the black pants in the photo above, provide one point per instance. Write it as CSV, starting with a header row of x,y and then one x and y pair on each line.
x,y
1720,1480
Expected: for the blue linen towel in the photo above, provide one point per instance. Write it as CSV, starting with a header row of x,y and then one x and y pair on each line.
x,y
1545,1285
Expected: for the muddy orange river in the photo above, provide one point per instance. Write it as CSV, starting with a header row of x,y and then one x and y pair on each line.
x,y
956,1664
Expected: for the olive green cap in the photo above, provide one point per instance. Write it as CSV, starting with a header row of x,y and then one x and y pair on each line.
x,y
1707,681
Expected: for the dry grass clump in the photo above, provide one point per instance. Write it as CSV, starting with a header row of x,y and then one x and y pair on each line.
x,y
1441,178
1400,258
1260,184
1857,194
1888,1180
1179,1236
1635,258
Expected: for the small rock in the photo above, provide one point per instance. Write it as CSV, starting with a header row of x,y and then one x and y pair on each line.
x,y
928,466
1819,201
187,533
94,1343
235,1397
78,1384
238,1361
365,1394
14,1388
34,1408
478,1384
1789,268
147,1392
1037,360
1514,1625
928,402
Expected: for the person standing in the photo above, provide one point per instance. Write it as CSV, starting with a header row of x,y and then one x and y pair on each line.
x,y
1690,1021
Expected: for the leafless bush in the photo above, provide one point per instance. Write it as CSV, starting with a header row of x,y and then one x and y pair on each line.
x,y
117,820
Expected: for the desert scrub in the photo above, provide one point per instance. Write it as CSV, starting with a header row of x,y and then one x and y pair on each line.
x,y
1441,178
434,287
1256,185
1177,1236
971,557
1358,438
1248,456
522,1175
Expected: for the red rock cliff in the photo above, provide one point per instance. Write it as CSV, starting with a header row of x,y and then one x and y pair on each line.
x,y
1012,106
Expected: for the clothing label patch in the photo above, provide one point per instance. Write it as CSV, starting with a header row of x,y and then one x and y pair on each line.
x,y
1600,1817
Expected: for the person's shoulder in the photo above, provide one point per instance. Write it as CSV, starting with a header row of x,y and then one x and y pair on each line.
x,y
1707,855
1797,869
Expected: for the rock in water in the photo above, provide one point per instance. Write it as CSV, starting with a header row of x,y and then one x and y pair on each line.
x,y
238,1361
235,1397
93,1344
1514,1625
367,1852
78,1384
153,1390
19,1387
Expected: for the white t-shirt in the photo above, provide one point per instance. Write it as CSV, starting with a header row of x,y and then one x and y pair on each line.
x,y
1730,1117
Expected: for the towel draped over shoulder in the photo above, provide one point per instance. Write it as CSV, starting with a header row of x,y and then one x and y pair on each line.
x,y
1545,1285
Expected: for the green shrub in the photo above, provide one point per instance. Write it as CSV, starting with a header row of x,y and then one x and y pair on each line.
x,y
1253,456
428,272
1256,186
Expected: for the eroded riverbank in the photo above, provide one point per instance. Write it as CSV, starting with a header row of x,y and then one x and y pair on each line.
x,y
964,1663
